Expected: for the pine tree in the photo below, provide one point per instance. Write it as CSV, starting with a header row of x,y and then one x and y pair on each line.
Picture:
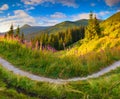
x,y
61,44
5,36
93,29
17,32
11,32
97,26
22,38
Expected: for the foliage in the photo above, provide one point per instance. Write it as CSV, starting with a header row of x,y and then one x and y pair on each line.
x,y
11,32
85,57
93,29
111,26
61,39
17,32
107,86
53,65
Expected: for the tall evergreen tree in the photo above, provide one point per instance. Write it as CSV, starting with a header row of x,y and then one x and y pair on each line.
x,y
17,32
22,38
11,32
93,29
97,26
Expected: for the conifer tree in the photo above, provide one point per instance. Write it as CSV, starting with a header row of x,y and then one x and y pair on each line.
x,y
5,36
22,38
11,32
93,29
17,32
97,26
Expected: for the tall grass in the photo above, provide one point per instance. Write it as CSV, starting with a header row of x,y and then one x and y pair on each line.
x,y
49,64
106,87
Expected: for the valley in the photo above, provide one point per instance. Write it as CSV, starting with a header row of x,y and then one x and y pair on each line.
x,y
59,57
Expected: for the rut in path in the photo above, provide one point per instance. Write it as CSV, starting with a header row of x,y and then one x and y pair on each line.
x,y
17,71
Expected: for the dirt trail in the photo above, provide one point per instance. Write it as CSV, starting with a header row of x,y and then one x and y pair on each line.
x,y
17,71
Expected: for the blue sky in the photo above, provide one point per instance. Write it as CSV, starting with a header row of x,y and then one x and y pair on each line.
x,y
51,12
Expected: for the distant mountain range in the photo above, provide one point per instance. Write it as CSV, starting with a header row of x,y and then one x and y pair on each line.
x,y
32,31
53,29
67,24
27,29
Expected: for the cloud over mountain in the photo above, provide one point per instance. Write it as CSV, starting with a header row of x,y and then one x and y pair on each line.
x,y
58,15
69,3
19,18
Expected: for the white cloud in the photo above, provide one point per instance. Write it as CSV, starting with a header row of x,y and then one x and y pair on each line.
x,y
47,21
8,14
92,4
18,4
30,8
58,15
102,13
99,15
118,10
1,11
80,16
69,3
53,19
19,18
112,2
4,7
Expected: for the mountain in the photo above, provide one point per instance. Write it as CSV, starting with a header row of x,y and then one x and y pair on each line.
x,y
25,26
27,29
111,26
63,26
110,38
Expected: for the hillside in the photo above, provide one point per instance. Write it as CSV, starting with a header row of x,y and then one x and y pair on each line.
x,y
27,29
65,25
86,57
110,37
59,27
111,26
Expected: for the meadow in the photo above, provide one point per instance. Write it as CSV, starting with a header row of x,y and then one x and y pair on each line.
x,y
17,87
92,54
66,64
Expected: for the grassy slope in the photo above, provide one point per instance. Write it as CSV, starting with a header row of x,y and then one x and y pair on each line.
x,y
111,26
110,37
8,92
98,53
96,45
50,65
85,57
106,87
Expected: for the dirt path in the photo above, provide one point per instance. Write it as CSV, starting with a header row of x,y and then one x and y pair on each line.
x,y
17,71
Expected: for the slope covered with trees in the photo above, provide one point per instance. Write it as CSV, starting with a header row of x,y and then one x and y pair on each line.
x,y
107,37
60,40
60,27
111,26
93,29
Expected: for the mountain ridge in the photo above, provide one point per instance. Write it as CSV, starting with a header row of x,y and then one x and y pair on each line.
x,y
60,27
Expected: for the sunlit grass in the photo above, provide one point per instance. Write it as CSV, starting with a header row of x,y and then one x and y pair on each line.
x,y
99,54
107,86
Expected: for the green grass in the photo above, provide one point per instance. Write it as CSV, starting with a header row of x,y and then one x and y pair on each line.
x,y
17,87
9,92
57,65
